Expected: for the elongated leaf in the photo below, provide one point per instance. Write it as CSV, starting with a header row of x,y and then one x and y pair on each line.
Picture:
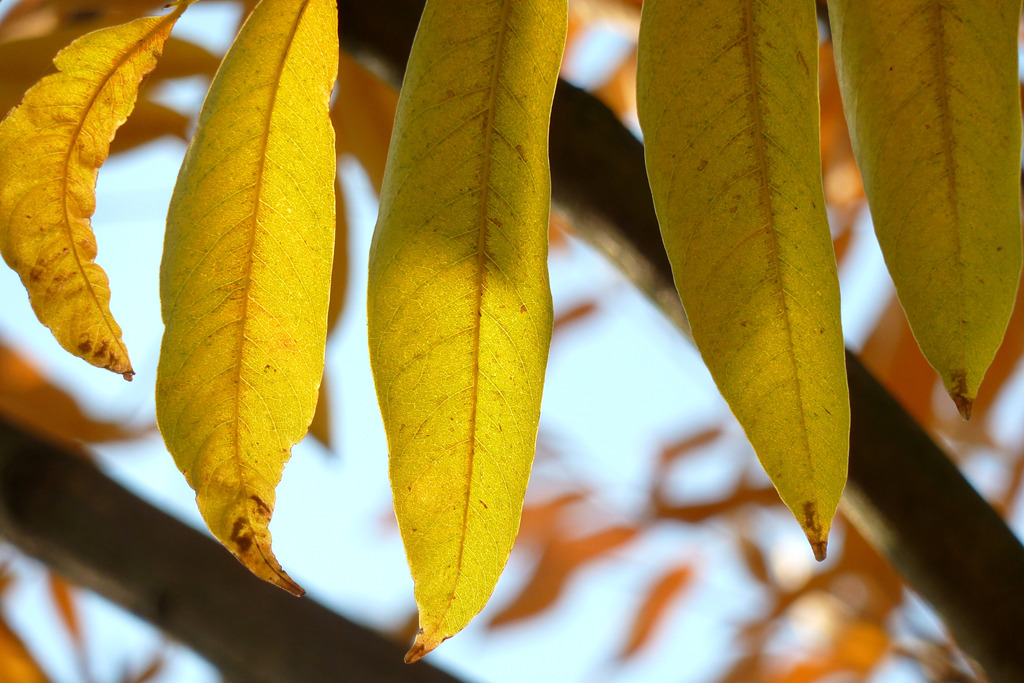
x,y
459,304
728,102
560,560
51,147
245,276
930,91
655,608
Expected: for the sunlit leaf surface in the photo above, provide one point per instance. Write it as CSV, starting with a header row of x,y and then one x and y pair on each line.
x,y
459,304
931,94
51,148
728,102
245,276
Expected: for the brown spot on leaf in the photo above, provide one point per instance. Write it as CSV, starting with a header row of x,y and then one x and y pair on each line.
x,y
702,165
241,536
522,309
803,62
85,347
261,506
812,527
958,393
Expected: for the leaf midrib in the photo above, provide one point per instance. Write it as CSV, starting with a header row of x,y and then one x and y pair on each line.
x,y
481,257
769,216
947,143
247,286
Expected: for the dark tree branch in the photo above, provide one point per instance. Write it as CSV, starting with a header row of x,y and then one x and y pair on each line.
x,y
62,510
904,493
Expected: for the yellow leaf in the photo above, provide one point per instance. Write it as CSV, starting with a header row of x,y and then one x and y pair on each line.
x,y
245,276
459,303
51,148
931,95
728,102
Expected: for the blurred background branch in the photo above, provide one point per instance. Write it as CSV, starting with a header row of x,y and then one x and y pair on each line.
x,y
60,509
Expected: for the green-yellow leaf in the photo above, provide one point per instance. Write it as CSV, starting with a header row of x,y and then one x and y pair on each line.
x,y
245,276
51,148
931,93
459,303
728,102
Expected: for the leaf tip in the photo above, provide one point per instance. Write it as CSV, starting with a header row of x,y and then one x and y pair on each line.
x,y
251,546
817,533
423,645
268,569
128,375
820,549
963,404
959,392
288,584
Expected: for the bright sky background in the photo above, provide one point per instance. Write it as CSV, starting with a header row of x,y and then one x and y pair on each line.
x,y
620,385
